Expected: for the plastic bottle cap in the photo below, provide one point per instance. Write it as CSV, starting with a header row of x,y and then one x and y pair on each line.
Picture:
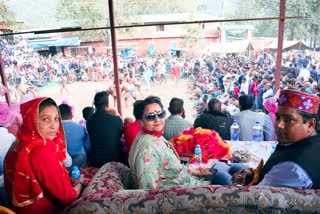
x,y
257,122
234,121
75,168
198,150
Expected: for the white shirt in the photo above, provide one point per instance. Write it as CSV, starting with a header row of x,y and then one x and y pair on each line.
x,y
305,74
6,140
244,87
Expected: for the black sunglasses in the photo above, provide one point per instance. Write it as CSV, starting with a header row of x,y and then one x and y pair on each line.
x,y
152,116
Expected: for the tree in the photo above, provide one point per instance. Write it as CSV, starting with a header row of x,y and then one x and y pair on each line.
x,y
94,13
306,28
6,15
191,37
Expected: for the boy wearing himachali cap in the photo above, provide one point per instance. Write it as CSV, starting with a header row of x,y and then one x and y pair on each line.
x,y
295,162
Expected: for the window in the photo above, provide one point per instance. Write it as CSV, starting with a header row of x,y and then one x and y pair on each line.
x,y
160,27
173,44
151,45
132,45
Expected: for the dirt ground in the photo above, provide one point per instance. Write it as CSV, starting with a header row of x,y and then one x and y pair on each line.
x,y
82,94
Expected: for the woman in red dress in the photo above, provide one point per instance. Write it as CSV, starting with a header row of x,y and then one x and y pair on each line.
x,y
36,180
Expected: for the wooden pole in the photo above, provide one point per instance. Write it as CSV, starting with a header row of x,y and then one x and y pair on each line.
x,y
280,45
115,56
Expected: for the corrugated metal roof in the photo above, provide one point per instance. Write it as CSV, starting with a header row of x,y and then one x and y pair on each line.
x,y
53,42
174,17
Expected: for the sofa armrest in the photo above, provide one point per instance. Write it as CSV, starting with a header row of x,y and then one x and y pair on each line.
x,y
111,176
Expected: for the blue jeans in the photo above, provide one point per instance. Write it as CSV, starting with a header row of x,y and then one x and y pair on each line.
x,y
256,103
224,178
236,167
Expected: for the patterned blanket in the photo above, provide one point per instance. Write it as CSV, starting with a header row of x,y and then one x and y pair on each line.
x,y
113,190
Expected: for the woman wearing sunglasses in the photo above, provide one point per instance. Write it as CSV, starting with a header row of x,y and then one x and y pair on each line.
x,y
152,160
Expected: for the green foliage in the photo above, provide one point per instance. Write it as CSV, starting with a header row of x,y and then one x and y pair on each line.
x,y
305,28
7,15
85,14
191,37
95,13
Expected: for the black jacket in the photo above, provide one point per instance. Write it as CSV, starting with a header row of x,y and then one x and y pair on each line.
x,y
216,121
304,152
105,131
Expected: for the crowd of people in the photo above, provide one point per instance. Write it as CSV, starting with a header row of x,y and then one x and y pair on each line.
x,y
47,142
36,167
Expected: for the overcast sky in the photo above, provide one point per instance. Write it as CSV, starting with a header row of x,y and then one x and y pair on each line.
x,y
41,13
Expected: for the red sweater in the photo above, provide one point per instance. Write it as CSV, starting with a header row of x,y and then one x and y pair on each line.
x,y
236,92
130,132
57,190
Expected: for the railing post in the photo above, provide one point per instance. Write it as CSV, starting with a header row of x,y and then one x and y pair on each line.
x,y
115,56
280,44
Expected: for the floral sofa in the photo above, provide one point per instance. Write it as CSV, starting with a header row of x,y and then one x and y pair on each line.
x,y
113,190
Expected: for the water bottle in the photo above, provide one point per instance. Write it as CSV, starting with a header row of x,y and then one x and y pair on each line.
x,y
256,132
234,131
75,173
198,157
272,150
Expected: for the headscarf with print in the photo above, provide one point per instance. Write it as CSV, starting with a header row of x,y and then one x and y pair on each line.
x,y
26,188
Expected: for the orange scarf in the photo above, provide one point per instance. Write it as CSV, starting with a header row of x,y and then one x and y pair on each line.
x,y
26,187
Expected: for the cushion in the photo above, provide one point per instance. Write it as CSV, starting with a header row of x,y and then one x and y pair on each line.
x,y
88,172
111,176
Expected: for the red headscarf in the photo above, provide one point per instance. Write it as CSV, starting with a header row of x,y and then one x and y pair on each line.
x,y
26,189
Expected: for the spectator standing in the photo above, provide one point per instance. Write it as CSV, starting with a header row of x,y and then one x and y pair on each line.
x,y
304,73
176,73
314,73
244,86
256,94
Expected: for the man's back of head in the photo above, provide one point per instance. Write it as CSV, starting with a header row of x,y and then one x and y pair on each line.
x,y
65,111
87,112
137,108
176,106
245,102
214,105
101,99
